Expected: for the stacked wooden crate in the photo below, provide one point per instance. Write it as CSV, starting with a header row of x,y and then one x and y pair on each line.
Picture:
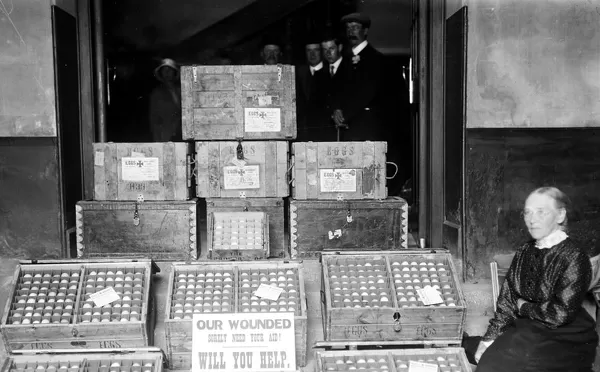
x,y
339,199
143,205
241,119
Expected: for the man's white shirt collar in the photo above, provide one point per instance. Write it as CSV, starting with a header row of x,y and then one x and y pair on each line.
x,y
316,68
336,64
357,49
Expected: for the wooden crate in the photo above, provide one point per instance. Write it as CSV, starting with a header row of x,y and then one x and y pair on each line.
x,y
49,305
317,226
273,207
368,297
231,102
238,236
447,359
257,169
132,361
152,171
167,230
339,170
178,322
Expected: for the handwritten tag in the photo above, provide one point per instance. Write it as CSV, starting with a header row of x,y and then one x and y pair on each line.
x,y
99,158
421,367
269,292
429,295
335,234
264,101
105,297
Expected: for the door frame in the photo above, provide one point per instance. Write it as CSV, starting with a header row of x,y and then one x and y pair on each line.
x,y
430,17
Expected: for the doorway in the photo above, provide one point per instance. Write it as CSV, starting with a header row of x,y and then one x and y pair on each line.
x,y
435,193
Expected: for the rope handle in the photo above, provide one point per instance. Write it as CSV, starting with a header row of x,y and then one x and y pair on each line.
x,y
395,173
289,171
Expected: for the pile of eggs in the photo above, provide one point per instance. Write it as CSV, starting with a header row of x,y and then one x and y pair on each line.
x,y
128,283
89,365
359,283
446,363
286,279
206,291
121,366
44,297
238,233
410,275
365,363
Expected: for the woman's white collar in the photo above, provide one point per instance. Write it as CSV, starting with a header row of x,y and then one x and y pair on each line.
x,y
551,240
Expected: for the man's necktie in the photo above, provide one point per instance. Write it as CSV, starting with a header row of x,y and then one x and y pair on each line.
x,y
332,70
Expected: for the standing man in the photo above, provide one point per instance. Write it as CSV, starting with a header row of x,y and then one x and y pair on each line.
x,y
337,71
310,93
359,111
271,53
165,103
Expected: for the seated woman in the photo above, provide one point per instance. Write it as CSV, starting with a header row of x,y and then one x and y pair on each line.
x,y
540,324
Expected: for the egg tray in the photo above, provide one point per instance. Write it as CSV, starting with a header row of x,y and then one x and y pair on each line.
x,y
129,283
238,236
446,359
229,288
80,362
370,282
373,297
50,307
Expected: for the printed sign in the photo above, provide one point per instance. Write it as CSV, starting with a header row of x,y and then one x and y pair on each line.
x,y
253,342
262,119
421,367
139,169
338,180
104,297
246,177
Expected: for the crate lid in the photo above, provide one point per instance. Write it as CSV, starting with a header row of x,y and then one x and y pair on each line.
x,y
155,267
150,349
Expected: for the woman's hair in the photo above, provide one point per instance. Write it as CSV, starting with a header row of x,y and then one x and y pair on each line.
x,y
561,200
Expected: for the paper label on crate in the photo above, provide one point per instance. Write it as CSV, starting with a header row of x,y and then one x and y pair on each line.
x,y
338,180
421,367
139,169
257,342
105,297
262,119
264,100
268,291
429,295
237,178
335,234
99,158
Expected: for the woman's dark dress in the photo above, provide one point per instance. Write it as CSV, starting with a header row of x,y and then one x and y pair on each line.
x,y
552,332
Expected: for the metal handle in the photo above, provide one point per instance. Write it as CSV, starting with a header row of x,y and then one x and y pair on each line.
x,y
395,173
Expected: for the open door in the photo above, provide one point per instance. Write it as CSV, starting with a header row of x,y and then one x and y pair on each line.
x,y
454,135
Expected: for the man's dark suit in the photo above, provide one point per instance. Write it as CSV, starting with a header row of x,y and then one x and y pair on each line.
x,y
334,92
310,103
362,98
